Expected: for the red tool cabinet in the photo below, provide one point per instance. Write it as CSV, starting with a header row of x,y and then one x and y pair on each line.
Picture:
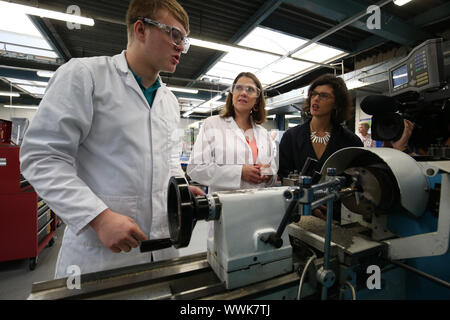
x,y
27,225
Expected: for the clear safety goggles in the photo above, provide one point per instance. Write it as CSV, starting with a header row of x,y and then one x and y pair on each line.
x,y
175,34
251,91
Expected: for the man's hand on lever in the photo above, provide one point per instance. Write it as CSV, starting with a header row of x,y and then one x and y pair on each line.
x,y
117,232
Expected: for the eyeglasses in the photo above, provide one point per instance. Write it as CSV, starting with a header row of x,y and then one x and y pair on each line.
x,y
322,95
175,34
250,90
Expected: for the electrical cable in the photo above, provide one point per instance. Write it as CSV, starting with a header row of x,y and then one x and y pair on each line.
x,y
351,288
311,259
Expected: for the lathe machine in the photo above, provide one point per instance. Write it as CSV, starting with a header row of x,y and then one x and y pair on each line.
x,y
391,243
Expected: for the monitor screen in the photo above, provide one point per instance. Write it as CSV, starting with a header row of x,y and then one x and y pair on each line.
x,y
400,76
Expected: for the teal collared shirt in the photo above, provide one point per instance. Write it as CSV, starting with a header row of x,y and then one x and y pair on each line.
x,y
150,92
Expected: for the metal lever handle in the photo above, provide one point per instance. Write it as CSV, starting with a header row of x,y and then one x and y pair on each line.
x,y
156,244
289,216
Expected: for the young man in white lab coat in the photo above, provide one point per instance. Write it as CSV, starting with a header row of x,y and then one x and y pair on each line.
x,y
101,149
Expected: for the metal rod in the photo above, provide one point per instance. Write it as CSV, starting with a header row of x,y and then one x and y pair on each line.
x,y
421,273
325,199
331,183
327,243
25,46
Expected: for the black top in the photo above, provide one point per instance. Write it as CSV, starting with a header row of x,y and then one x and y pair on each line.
x,y
296,147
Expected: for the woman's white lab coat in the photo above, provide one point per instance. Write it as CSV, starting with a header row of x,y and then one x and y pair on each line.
x,y
221,150
95,143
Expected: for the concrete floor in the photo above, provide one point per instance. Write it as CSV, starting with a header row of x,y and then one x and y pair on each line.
x,y
16,279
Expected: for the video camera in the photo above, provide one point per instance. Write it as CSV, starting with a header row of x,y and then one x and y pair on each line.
x,y
419,92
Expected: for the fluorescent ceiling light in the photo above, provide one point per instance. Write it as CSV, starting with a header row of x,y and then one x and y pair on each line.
x,y
203,110
286,116
27,82
190,100
356,83
46,13
186,90
401,2
292,116
20,36
9,94
21,107
45,74
211,45
274,44
207,108
271,41
36,88
265,59
216,98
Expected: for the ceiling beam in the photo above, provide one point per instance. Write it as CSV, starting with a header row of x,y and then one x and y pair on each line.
x,y
392,28
27,63
49,33
434,15
22,100
21,73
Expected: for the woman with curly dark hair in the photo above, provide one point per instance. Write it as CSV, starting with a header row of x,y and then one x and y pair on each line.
x,y
327,106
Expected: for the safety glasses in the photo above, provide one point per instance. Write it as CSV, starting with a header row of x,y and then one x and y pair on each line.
x,y
250,90
322,95
175,34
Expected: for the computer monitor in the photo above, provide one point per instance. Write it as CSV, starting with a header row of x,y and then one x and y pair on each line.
x,y
421,70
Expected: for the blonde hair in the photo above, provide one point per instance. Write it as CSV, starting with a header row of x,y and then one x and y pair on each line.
x,y
148,8
259,116
365,124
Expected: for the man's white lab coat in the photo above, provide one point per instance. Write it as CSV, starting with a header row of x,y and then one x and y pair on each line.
x,y
95,143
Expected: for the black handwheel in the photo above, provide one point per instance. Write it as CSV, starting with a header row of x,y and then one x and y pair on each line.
x,y
183,212
180,211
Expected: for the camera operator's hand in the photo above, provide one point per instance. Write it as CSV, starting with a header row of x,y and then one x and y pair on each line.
x,y
402,143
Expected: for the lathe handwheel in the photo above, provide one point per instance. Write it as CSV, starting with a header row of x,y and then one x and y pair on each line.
x,y
180,212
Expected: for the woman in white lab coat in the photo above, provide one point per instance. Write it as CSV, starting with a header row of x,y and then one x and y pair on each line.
x,y
232,150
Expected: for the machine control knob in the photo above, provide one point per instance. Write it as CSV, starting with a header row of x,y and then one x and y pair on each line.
x,y
326,277
288,195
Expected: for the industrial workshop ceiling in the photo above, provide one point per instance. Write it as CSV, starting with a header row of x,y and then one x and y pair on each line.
x,y
286,43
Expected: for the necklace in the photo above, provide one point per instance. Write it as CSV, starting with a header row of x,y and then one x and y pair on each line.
x,y
316,139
